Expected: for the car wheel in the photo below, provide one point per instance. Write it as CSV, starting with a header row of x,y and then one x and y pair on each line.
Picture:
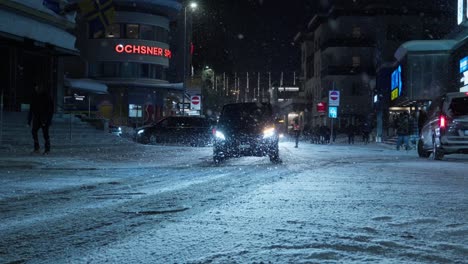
x,y
437,153
421,152
152,139
218,159
274,156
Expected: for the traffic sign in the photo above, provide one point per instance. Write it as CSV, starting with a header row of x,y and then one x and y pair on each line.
x,y
333,98
333,112
195,101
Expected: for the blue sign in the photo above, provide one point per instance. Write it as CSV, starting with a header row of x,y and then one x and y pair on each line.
x,y
396,81
333,112
464,65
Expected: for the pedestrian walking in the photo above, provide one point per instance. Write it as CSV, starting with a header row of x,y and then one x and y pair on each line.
x,y
403,130
40,117
366,129
297,131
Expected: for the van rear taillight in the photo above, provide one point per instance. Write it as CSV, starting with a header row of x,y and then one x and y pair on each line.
x,y
442,121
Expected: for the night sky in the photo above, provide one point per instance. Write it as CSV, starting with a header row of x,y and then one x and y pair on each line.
x,y
249,35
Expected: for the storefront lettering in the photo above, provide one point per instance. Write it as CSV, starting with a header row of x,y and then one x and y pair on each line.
x,y
145,50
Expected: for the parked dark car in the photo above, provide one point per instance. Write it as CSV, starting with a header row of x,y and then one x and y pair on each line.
x,y
246,129
445,131
187,130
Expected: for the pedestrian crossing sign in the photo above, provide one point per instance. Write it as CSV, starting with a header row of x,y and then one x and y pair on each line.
x,y
333,112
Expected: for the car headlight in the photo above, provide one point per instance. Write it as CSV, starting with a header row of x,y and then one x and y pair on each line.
x,y
268,132
219,135
141,131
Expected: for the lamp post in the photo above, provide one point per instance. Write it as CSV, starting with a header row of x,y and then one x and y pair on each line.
x,y
192,6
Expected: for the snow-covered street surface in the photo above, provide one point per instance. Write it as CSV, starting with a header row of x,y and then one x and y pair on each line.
x,y
170,204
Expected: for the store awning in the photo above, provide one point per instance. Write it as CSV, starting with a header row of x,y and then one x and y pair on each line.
x,y
86,85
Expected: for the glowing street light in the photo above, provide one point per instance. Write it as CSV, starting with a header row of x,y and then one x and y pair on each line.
x,y
192,6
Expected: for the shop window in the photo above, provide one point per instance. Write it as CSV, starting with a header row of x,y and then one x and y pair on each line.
x,y
147,32
132,31
113,31
135,110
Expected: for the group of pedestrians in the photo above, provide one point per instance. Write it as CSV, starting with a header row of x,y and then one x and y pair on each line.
x,y
320,134
364,129
403,130
403,124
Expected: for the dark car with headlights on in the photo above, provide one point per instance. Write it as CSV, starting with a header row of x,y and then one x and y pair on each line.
x,y
186,130
445,131
246,129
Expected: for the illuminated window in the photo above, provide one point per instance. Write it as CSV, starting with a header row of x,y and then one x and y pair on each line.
x,y
135,110
131,31
113,31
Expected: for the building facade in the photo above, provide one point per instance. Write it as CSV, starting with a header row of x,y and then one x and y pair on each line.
x,y
348,47
133,57
34,39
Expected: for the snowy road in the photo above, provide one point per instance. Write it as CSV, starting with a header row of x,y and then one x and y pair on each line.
x,y
167,204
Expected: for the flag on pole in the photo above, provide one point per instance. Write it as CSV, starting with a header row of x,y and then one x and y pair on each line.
x,y
99,14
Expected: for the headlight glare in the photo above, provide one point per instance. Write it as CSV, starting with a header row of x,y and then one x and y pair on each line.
x,y
268,132
219,135
140,132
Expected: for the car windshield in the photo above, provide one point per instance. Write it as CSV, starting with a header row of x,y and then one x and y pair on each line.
x,y
459,106
253,113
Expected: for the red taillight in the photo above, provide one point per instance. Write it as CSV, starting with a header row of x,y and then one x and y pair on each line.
x,y
442,121
213,131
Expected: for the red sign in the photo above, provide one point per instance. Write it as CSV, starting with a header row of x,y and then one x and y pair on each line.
x,y
321,107
333,95
334,98
145,50
195,100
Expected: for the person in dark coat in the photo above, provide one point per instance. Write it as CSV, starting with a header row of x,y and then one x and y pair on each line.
x,y
403,130
297,131
366,129
40,117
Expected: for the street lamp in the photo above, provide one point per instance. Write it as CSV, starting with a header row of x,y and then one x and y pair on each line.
x,y
192,6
